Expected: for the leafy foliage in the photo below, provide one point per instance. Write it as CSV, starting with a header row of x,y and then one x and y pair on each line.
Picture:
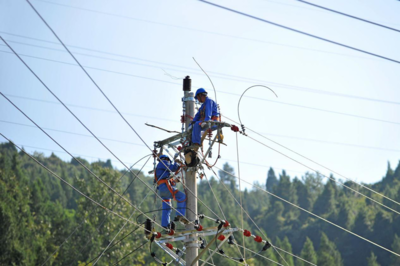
x,y
38,212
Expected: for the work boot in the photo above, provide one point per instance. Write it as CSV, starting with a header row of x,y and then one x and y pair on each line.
x,y
182,219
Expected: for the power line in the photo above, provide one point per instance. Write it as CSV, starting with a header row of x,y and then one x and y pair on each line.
x,y
300,32
382,195
203,31
311,213
68,184
350,16
256,98
193,70
165,119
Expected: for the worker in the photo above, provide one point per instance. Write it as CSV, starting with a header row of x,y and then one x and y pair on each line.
x,y
208,111
167,191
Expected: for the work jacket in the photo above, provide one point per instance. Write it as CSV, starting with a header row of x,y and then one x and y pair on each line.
x,y
163,172
207,110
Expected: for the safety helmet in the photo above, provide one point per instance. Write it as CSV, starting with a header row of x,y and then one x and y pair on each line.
x,y
200,91
163,157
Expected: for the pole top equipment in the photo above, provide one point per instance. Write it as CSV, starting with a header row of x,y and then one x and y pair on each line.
x,y
187,84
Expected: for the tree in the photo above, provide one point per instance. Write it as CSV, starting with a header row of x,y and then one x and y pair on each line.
x,y
395,260
271,180
308,253
373,260
326,202
328,255
227,178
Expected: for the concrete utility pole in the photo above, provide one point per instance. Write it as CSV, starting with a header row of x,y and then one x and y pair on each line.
x,y
191,182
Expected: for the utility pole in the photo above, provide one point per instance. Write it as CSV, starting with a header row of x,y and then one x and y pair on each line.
x,y
191,182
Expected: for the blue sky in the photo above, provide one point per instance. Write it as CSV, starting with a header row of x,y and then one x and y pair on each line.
x,y
338,107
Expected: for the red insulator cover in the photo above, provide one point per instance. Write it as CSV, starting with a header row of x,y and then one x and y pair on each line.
x,y
234,128
199,228
221,237
247,233
171,232
158,235
169,246
182,119
258,239
226,224
179,148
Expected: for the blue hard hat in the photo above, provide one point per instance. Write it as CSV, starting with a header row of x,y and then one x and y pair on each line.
x,y
164,157
199,91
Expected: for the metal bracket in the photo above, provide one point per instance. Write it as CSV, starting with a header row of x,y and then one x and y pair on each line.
x,y
188,99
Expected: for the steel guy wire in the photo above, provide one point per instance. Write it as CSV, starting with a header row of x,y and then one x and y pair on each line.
x,y
82,164
221,75
101,91
349,179
300,32
68,184
87,130
208,32
331,178
248,215
223,92
348,15
317,216
76,229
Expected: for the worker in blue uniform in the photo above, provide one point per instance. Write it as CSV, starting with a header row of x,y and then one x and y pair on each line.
x,y
208,111
167,191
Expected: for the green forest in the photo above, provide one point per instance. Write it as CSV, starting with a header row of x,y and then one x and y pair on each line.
x,y
46,222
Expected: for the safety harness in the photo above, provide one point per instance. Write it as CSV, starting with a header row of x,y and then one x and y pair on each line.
x,y
169,183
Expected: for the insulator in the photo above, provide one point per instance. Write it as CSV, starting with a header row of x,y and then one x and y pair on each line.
x,y
221,237
199,227
246,233
209,133
171,232
158,235
148,227
231,240
258,239
170,246
226,224
266,246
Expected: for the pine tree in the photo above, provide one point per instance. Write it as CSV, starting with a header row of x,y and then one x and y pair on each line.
x,y
373,260
308,253
326,202
328,255
271,180
395,260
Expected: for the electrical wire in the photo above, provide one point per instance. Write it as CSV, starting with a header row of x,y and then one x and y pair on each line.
x,y
349,179
89,132
130,253
317,216
230,93
91,212
348,15
247,214
238,108
101,91
203,31
300,32
65,182
187,69
215,92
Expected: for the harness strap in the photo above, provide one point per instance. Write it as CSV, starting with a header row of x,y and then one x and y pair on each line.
x,y
166,182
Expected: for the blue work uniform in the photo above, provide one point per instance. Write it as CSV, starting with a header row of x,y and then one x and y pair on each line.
x,y
208,111
162,172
